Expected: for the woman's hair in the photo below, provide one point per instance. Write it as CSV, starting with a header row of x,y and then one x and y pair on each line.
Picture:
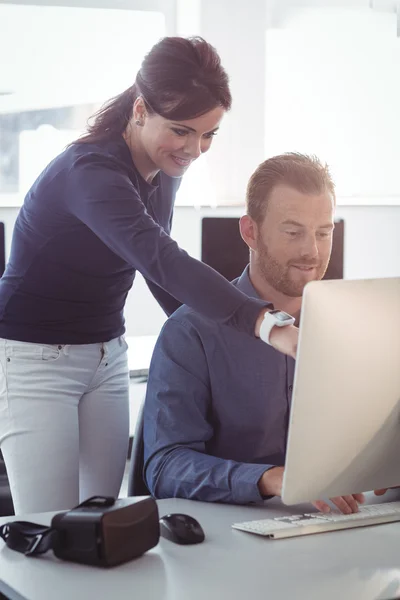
x,y
179,79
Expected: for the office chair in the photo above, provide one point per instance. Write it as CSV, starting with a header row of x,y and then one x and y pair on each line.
x,y
6,503
136,483
2,249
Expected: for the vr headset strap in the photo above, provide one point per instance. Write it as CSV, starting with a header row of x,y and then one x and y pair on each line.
x,y
27,538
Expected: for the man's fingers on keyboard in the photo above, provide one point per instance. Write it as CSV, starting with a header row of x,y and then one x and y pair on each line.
x,y
383,491
360,498
322,506
346,504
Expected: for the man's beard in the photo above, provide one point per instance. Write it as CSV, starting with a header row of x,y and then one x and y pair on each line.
x,y
278,275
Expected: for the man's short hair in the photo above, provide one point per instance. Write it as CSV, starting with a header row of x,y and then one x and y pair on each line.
x,y
304,173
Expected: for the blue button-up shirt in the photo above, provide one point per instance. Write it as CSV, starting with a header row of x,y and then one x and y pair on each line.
x,y
216,410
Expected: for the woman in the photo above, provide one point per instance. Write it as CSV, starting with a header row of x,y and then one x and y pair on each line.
x,y
99,212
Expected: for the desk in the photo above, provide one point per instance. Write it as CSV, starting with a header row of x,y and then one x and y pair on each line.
x,y
363,564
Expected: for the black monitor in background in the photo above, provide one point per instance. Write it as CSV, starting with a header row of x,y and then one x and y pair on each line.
x,y
2,249
223,249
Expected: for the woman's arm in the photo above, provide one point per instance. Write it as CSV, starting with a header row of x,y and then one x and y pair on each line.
x,y
105,199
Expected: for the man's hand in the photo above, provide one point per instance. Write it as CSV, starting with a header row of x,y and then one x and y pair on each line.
x,y
283,339
383,491
380,492
271,481
346,504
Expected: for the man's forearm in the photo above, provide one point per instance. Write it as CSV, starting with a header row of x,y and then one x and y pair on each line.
x,y
186,473
270,483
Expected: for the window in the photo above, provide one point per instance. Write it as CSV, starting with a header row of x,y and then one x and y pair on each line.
x,y
63,63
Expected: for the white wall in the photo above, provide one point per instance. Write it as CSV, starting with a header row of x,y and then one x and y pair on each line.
x,y
372,249
319,79
333,89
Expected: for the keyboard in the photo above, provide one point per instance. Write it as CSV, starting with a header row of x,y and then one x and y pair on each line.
x,y
309,523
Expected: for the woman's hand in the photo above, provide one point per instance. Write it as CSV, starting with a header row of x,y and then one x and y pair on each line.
x,y
283,339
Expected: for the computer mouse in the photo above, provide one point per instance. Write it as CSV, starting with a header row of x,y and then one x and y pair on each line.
x,y
181,529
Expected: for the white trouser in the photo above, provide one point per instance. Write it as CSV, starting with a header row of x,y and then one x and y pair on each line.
x,y
64,421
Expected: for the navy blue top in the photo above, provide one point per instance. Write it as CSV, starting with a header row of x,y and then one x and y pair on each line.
x,y
216,410
87,224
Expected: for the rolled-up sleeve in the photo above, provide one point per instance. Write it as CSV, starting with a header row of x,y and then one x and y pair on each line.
x,y
176,428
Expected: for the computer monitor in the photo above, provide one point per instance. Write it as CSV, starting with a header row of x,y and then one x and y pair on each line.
x,y
344,427
223,249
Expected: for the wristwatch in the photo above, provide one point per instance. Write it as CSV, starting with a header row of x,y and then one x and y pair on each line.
x,y
273,318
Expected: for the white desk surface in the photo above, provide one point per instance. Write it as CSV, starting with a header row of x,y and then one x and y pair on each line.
x,y
360,564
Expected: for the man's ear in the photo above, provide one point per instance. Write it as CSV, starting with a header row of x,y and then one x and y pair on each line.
x,y
248,231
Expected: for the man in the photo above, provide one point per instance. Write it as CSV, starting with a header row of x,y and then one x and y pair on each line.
x,y
217,405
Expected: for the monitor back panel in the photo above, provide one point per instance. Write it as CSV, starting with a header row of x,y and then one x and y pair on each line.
x,y
344,429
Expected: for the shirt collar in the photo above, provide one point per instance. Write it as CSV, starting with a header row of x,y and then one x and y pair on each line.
x,y
244,284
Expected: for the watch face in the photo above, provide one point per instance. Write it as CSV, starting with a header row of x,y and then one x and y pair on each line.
x,y
282,316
